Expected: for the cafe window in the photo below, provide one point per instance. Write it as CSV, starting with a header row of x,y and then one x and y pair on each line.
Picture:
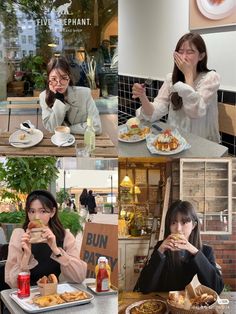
x,y
31,53
1,54
30,39
207,184
24,52
23,39
30,25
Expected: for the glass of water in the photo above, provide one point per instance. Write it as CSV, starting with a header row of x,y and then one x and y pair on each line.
x,y
82,150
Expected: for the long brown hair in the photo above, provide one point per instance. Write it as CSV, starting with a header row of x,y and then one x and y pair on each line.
x,y
48,202
196,40
58,63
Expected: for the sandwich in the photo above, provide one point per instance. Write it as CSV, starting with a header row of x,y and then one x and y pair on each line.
x,y
36,227
176,236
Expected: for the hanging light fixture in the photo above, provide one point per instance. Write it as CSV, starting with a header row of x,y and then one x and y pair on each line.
x,y
126,182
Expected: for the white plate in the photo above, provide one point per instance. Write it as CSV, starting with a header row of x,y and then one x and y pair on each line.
x,y
129,308
92,287
183,144
26,305
58,143
32,139
134,139
216,11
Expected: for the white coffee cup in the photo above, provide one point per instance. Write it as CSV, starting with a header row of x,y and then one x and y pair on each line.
x,y
62,133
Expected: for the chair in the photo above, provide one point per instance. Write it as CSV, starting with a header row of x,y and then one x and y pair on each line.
x,y
22,103
227,118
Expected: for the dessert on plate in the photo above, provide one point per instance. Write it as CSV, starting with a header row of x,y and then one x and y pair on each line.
x,y
135,130
166,141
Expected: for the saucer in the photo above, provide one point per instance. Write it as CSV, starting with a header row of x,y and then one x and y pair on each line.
x,y
58,143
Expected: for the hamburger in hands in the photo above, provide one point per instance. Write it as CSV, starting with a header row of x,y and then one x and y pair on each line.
x,y
176,236
36,227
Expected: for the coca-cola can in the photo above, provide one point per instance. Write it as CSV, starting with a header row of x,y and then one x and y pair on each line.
x,y
23,283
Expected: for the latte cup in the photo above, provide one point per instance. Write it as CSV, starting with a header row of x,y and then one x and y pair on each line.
x,y
62,133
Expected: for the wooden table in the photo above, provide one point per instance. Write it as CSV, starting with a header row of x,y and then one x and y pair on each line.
x,y
128,298
104,147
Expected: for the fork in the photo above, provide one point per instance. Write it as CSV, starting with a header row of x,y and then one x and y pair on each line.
x,y
147,82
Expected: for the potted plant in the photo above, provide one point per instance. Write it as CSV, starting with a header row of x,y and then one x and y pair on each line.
x,y
36,71
10,221
72,221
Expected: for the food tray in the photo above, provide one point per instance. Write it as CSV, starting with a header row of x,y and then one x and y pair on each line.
x,y
27,306
92,287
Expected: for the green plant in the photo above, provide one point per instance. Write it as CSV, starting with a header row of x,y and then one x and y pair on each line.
x,y
61,196
35,68
25,174
17,217
227,288
72,221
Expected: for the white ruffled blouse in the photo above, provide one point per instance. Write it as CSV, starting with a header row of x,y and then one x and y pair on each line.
x,y
199,113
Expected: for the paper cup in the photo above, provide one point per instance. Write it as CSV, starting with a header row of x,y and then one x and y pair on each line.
x,y
36,235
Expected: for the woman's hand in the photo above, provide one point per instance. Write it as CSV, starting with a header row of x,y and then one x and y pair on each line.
x,y
50,237
184,65
183,244
138,90
173,244
168,244
25,243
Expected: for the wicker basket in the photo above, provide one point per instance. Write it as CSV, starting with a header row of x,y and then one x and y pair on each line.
x,y
206,310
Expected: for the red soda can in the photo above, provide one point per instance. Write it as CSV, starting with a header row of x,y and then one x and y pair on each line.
x,y
23,282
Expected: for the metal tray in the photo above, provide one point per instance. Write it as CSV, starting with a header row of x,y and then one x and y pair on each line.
x,y
26,303
92,287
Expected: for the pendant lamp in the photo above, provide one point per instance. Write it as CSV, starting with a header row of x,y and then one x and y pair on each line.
x,y
126,182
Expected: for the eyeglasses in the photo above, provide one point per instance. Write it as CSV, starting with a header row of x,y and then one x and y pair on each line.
x,y
62,81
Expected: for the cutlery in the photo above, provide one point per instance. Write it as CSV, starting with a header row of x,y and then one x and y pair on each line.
x,y
158,128
70,140
19,142
147,82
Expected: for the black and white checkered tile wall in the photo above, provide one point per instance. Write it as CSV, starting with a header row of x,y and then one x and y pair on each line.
x,y
127,105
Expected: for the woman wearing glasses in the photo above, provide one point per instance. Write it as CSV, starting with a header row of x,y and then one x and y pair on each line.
x,y
65,104
188,95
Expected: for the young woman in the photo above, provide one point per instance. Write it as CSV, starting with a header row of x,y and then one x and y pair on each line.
x,y
65,104
180,256
59,253
188,95
83,198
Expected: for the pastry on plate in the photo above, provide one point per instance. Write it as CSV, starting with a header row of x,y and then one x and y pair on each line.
x,y
166,141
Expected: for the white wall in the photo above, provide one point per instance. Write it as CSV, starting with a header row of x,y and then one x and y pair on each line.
x,y
149,31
